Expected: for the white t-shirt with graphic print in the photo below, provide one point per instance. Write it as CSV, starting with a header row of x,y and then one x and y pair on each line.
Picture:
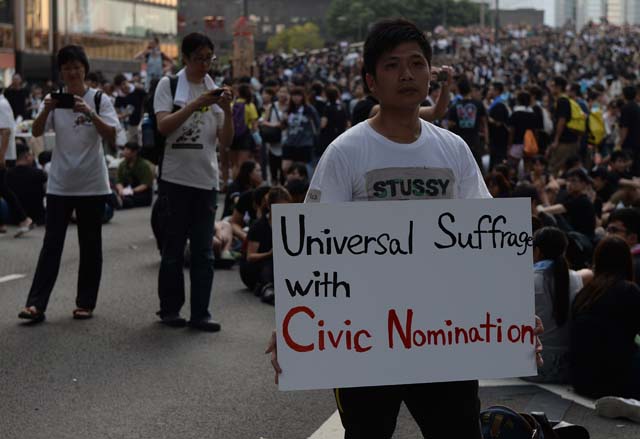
x,y
78,166
363,165
190,157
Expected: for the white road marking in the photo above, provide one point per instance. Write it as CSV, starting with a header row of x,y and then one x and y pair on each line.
x,y
11,277
332,427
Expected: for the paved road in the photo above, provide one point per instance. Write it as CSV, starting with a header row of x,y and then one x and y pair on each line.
x,y
122,375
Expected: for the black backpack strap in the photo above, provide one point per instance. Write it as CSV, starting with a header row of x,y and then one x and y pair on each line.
x,y
97,99
173,85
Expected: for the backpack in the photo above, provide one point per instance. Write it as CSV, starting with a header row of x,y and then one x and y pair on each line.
x,y
578,121
595,128
239,123
530,144
153,141
499,422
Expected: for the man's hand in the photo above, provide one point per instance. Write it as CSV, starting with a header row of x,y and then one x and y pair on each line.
x,y
81,106
211,97
538,330
273,350
49,104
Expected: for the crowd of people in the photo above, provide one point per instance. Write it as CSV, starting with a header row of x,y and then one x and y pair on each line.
x,y
546,114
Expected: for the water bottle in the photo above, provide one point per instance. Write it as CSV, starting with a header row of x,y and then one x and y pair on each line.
x,y
148,132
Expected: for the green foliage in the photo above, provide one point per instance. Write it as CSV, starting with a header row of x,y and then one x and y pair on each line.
x,y
350,19
299,37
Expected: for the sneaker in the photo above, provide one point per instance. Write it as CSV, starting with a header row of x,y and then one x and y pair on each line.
x,y
614,407
172,320
25,227
268,294
205,325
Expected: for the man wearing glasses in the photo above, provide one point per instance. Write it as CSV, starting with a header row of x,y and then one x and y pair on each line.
x,y
194,116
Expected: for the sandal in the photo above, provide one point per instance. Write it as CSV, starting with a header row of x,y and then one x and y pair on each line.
x,y
32,314
82,313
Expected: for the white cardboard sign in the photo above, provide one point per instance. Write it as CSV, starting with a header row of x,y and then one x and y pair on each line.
x,y
400,292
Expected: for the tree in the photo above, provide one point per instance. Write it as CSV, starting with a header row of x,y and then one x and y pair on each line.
x,y
299,37
350,19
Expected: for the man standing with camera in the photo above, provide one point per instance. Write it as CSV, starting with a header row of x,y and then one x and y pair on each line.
x,y
194,117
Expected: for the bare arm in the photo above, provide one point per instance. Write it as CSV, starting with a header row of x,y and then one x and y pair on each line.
x,y
624,132
5,133
225,135
562,122
556,209
37,128
237,224
253,255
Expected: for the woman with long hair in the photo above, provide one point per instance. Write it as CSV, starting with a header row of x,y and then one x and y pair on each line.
x,y
249,177
303,124
604,358
555,288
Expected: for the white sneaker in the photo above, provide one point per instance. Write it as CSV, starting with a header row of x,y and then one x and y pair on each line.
x,y
614,407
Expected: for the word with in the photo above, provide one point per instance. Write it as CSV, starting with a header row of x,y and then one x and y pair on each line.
x,y
418,187
474,240
454,335
297,289
356,244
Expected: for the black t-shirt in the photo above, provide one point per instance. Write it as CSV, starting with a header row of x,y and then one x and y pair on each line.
x,y
630,119
581,214
466,115
602,342
234,191
18,100
362,110
260,232
336,115
246,208
498,133
522,121
563,110
614,177
135,99
27,183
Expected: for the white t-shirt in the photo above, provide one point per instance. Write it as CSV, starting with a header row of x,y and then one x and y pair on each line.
x,y
190,153
78,166
363,165
8,121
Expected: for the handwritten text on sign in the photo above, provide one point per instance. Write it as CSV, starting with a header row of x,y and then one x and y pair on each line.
x,y
403,292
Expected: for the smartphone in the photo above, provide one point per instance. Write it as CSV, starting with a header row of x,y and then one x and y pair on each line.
x,y
218,92
63,100
443,76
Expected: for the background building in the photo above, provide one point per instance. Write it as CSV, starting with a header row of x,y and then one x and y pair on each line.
x,y
526,17
112,32
565,12
590,10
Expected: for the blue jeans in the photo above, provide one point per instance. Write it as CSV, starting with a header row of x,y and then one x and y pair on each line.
x,y
186,212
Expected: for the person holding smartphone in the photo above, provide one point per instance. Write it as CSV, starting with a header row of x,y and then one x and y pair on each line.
x,y
194,119
78,180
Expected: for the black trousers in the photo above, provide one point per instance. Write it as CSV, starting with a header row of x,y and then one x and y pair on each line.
x,y
442,410
89,211
186,212
15,207
140,199
255,274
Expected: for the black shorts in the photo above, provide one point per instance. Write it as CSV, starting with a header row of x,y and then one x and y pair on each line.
x,y
243,142
442,410
302,154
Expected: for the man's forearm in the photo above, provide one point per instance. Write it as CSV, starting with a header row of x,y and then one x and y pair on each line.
x,y
107,132
141,188
559,129
37,128
4,142
225,136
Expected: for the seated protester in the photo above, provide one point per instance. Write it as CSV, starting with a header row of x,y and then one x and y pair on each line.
x,y
604,358
529,191
256,270
28,184
625,223
603,187
248,209
622,179
222,240
249,177
555,288
577,208
44,161
498,185
539,175
297,189
134,181
298,171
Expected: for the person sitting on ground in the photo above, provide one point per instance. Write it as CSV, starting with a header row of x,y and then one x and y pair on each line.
x,y
555,288
248,209
529,191
256,271
298,171
249,177
625,223
604,357
134,183
28,184
297,189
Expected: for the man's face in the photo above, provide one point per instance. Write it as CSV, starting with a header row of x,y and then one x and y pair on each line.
x,y
16,81
576,186
129,154
124,87
492,92
619,165
598,183
199,62
72,72
402,77
617,228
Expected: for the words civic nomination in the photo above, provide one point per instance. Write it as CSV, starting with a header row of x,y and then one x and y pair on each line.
x,y
487,233
401,333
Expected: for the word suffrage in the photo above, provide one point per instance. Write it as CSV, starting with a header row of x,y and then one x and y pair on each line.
x,y
402,292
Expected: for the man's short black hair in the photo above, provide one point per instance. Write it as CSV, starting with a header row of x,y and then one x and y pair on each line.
x,y
576,89
526,190
464,87
93,77
133,146
22,150
560,82
297,187
599,172
580,174
73,53
619,155
119,79
523,98
628,216
193,42
386,35
629,92
498,86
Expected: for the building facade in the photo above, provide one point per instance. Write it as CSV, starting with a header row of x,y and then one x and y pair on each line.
x,y
565,12
111,31
590,11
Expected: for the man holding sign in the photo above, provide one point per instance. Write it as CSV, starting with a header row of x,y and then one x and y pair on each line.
x,y
395,156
